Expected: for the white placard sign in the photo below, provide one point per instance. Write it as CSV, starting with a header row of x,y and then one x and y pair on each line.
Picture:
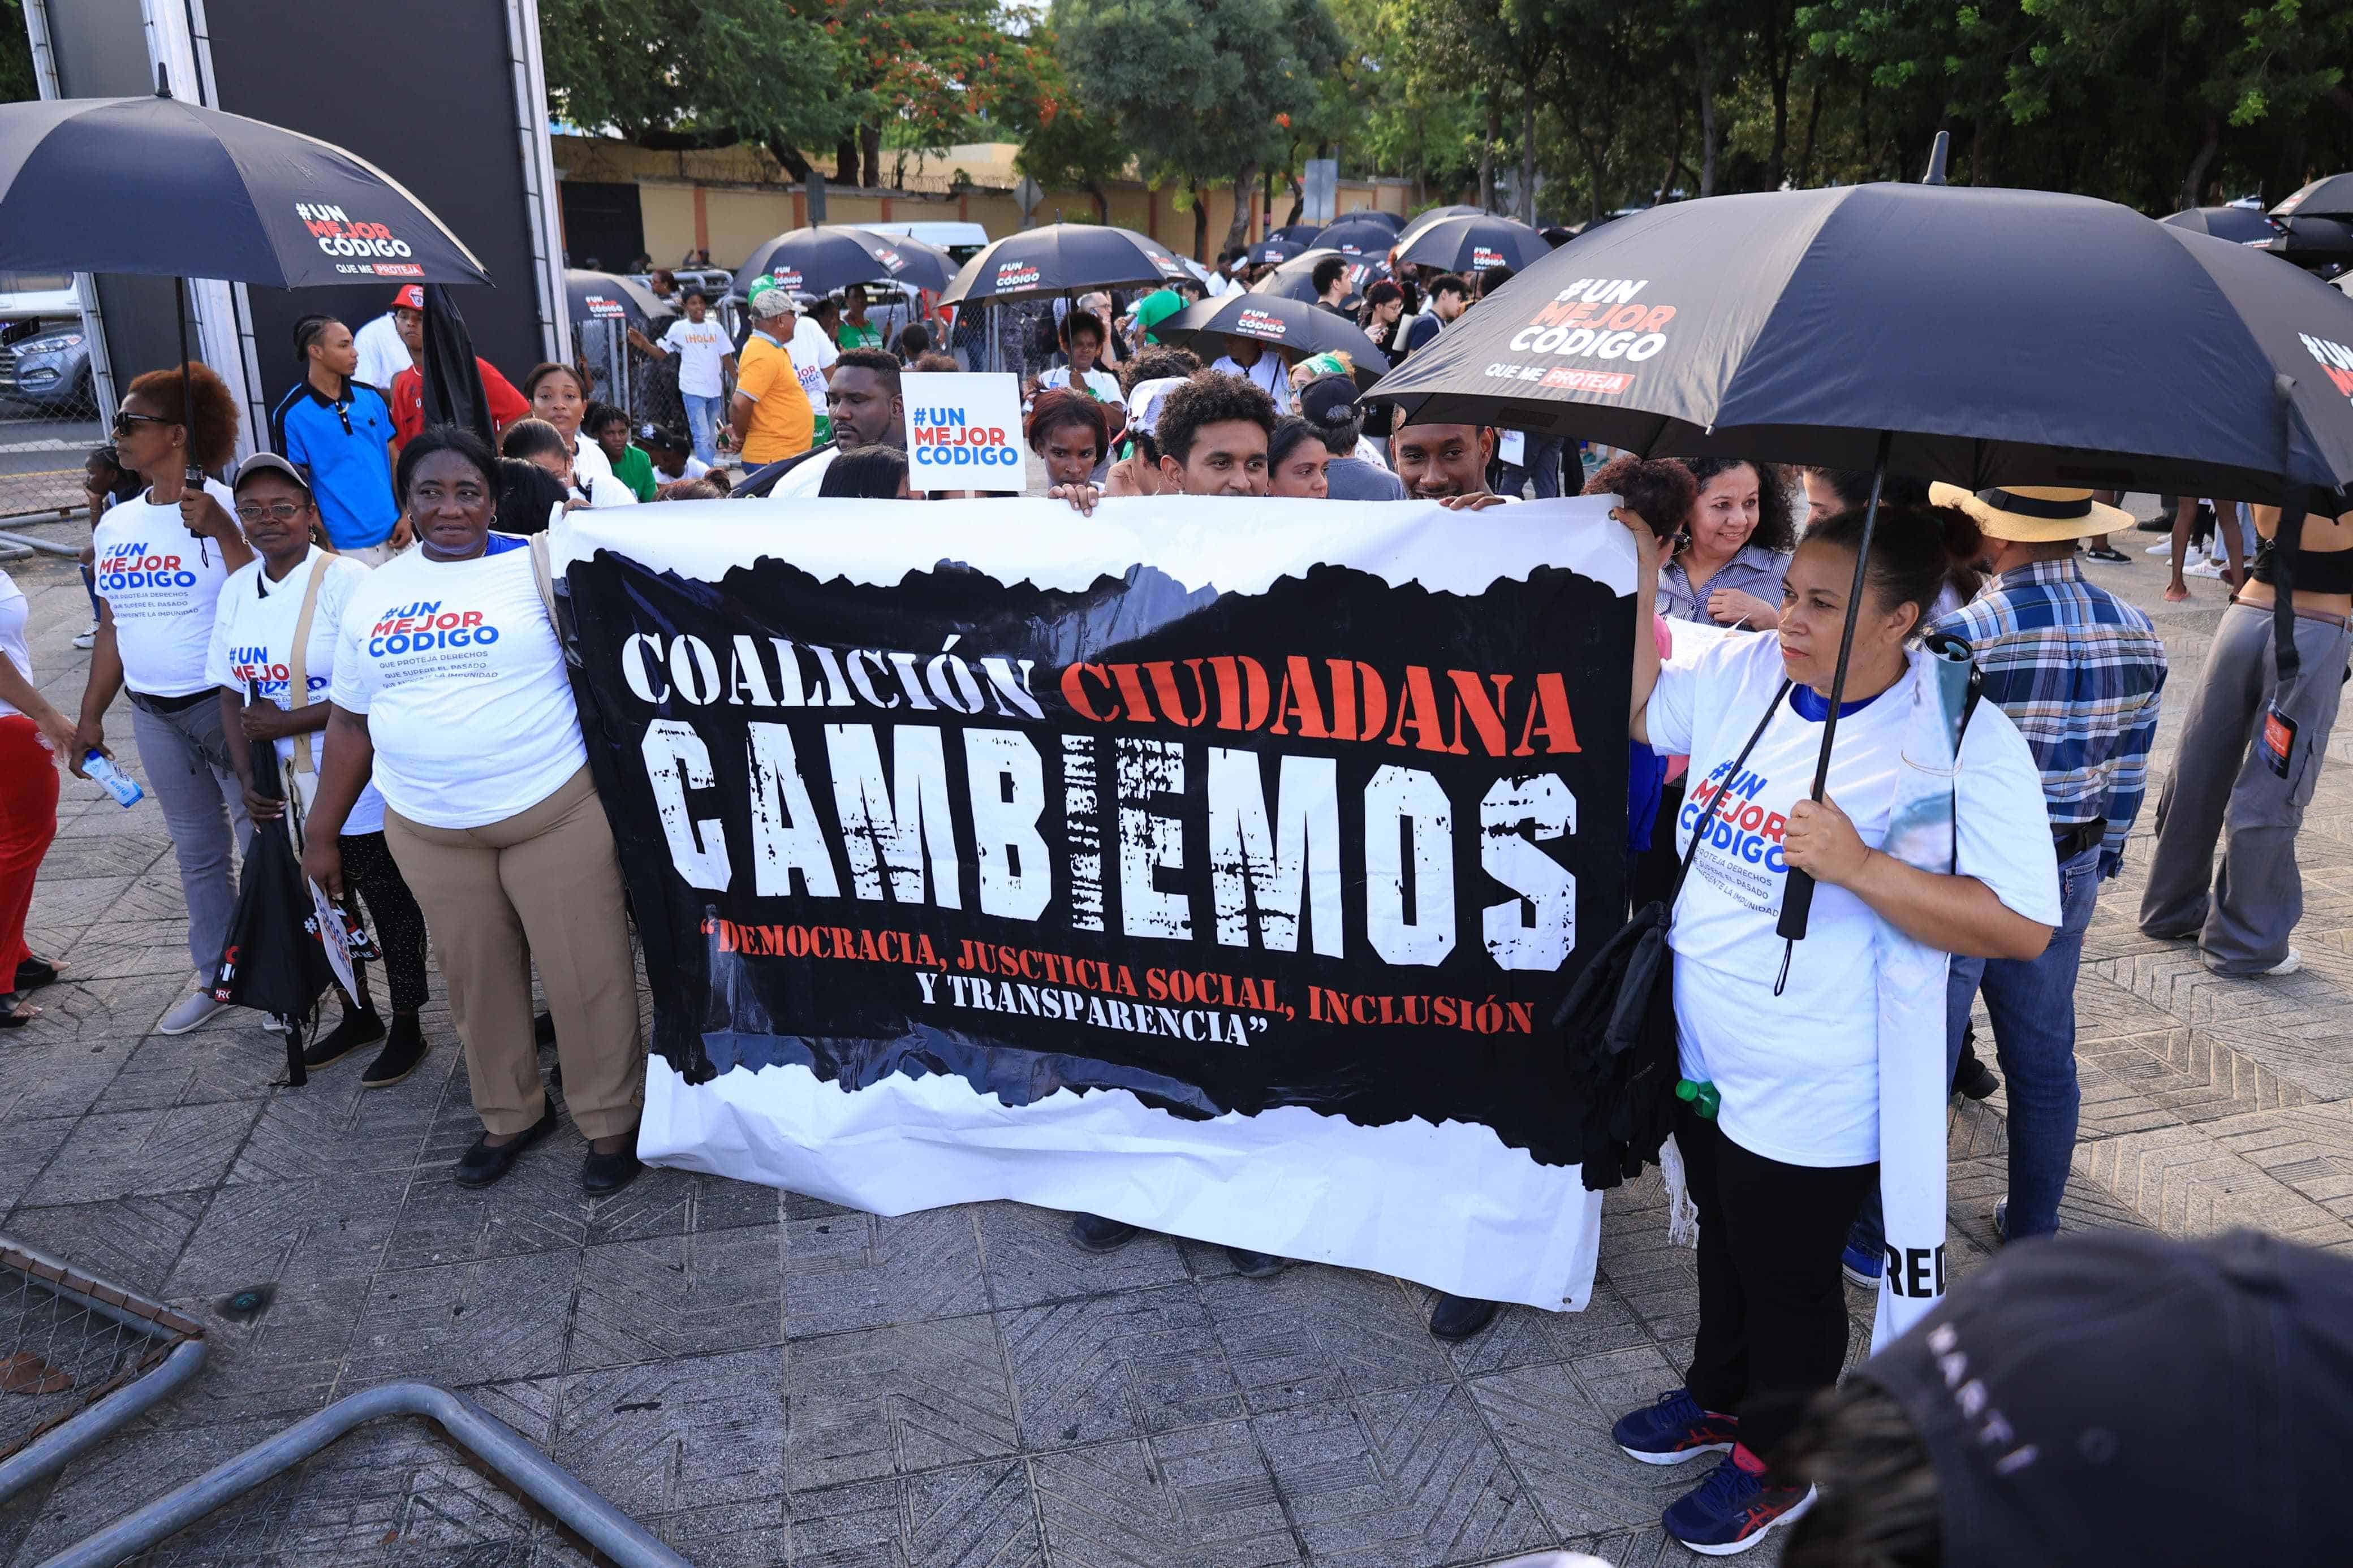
x,y
964,431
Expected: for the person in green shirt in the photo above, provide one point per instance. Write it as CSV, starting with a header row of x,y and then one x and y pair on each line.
x,y
1153,309
856,332
609,427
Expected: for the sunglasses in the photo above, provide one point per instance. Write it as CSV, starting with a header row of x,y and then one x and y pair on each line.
x,y
125,420
276,511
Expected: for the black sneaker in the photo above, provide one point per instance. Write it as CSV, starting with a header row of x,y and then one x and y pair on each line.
x,y
1253,1264
2110,555
1456,1318
400,1055
1974,1079
1096,1234
356,1029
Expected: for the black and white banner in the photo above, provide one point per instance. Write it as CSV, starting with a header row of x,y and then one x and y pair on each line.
x,y
1216,866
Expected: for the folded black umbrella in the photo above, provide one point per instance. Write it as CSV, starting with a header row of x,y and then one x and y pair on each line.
x,y
1063,259
1291,324
1471,244
275,961
453,391
825,260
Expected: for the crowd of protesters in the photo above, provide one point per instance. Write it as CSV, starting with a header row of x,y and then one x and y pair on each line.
x,y
454,796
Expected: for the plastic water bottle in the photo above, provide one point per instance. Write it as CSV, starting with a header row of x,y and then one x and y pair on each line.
x,y
1700,1096
119,785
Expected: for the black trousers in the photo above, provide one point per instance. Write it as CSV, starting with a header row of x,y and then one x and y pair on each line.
x,y
1772,1307
399,923
1651,878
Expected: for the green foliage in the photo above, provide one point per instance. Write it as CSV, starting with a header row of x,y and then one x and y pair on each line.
x,y
16,82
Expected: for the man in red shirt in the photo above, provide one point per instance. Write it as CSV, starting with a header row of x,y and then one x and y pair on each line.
x,y
507,405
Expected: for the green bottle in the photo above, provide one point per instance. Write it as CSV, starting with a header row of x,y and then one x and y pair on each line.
x,y
1700,1096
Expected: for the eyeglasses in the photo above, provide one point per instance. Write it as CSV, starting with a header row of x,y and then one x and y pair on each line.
x,y
276,511
125,419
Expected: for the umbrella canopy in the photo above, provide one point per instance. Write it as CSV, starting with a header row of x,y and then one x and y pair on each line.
x,y
453,391
2322,244
1362,234
1301,234
602,297
2330,198
1999,337
2240,226
1471,245
154,185
827,259
1296,276
1274,252
1293,325
1421,221
1395,220
1063,259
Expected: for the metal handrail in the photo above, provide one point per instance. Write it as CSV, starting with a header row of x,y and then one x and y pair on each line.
x,y
622,1540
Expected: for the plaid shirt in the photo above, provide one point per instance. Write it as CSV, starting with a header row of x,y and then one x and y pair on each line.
x,y
2079,671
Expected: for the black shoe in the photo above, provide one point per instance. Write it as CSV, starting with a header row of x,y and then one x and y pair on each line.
x,y
1456,1318
36,973
1097,1234
1254,1265
485,1163
1975,1080
2110,555
355,1030
602,1174
400,1055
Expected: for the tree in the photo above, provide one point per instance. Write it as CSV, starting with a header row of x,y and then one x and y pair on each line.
x,y
1061,143
677,75
1195,85
930,69
16,83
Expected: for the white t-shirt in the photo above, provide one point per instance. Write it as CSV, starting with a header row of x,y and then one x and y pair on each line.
x,y
695,469
601,490
812,352
1268,372
161,582
1100,381
12,636
253,642
463,684
588,457
804,480
699,346
1798,1072
382,355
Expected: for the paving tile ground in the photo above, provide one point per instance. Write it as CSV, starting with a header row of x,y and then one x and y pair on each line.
x,y
767,1379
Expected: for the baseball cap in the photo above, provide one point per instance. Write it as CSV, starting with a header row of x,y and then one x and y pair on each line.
x,y
766,297
2122,1397
410,298
1328,400
1144,400
269,463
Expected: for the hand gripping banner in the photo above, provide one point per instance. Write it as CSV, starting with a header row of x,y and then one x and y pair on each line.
x,y
1214,865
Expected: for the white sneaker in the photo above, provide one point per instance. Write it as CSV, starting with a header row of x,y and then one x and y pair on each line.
x,y
2204,566
88,638
2162,547
189,1012
2288,965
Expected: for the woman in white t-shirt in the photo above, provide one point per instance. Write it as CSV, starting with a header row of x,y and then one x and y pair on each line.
x,y
158,561
450,693
558,396
537,442
1789,1034
33,738
1083,340
275,633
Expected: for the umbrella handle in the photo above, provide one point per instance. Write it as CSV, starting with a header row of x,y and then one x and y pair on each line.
x,y
1796,903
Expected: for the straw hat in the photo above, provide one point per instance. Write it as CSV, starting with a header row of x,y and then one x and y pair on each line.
x,y
2034,514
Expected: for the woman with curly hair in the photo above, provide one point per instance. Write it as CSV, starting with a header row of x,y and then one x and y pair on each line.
x,y
162,559
1736,546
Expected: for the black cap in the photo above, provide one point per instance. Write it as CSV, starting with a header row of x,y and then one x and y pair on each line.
x,y
2120,1398
1328,400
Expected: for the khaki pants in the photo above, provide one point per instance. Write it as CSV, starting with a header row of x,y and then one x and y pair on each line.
x,y
541,885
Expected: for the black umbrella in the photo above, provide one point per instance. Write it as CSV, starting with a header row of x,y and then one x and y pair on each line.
x,y
602,297
2329,197
1273,252
453,391
2240,226
275,960
1296,276
1979,336
1361,234
1395,221
1421,221
1301,234
1471,244
825,260
1287,323
1063,259
2310,240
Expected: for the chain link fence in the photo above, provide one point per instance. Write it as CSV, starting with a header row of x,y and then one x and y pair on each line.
x,y
50,418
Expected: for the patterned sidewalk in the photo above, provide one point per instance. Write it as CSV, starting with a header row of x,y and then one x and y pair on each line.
x,y
765,1379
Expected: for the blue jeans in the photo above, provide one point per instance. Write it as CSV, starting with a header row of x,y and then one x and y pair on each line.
x,y
703,417
2032,1004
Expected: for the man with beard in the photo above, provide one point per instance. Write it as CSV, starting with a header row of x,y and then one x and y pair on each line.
x,y
862,400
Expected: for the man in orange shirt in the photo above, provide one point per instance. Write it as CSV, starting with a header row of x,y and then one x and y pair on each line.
x,y
507,405
770,412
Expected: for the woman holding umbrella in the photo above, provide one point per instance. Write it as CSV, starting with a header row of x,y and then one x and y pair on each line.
x,y
488,812
1788,1037
162,559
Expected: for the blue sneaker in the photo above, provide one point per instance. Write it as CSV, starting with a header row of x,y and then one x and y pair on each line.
x,y
1861,1267
1676,1429
1735,1509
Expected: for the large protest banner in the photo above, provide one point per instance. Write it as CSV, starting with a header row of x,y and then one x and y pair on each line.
x,y
1216,866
